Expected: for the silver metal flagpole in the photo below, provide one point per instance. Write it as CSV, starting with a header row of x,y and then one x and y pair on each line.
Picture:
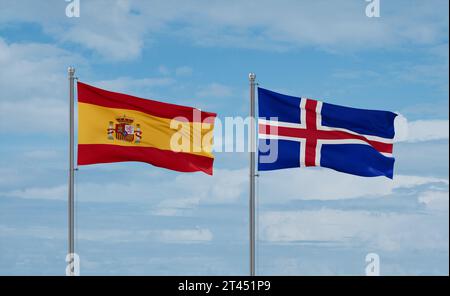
x,y
71,72
252,77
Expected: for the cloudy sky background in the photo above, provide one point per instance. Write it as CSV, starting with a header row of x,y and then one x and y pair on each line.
x,y
133,218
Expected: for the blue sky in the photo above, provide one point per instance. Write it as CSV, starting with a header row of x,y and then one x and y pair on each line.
x,y
133,218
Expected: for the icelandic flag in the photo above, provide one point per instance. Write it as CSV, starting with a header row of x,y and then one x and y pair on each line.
x,y
301,132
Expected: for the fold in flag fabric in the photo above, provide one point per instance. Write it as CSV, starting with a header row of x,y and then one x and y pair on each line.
x,y
115,127
301,132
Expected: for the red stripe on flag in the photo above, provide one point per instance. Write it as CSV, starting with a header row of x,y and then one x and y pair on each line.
x,y
97,96
178,161
323,135
311,123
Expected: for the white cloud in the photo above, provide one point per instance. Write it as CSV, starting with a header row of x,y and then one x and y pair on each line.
x,y
52,193
420,130
179,71
196,235
183,71
133,85
34,116
9,176
42,154
215,90
33,96
401,128
110,28
34,71
379,231
324,184
163,70
119,29
428,110
435,200
179,196
33,231
110,192
403,181
428,130
226,186
185,235
180,236
175,206
301,23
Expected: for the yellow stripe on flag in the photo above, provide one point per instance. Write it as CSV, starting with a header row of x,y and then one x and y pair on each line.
x,y
94,121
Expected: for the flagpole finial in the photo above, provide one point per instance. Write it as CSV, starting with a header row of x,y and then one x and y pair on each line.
x,y
71,70
251,76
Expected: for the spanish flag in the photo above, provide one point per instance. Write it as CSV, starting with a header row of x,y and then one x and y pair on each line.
x,y
115,127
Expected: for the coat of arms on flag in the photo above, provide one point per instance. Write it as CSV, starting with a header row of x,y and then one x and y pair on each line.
x,y
307,133
124,130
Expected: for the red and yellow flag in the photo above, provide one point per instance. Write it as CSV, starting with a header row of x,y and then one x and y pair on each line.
x,y
115,127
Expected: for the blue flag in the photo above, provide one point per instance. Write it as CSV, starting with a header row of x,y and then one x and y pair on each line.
x,y
301,132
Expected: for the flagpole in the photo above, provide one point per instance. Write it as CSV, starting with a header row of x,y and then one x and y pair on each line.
x,y
252,77
71,207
